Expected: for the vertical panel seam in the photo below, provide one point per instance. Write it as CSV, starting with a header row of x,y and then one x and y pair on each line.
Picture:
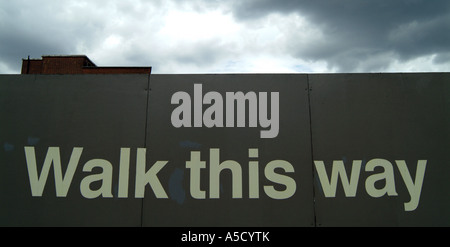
x,y
309,89
145,135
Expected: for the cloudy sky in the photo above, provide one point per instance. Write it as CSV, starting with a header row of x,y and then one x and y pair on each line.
x,y
232,36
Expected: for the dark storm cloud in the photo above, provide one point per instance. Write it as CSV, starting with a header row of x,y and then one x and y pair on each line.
x,y
38,28
18,39
356,30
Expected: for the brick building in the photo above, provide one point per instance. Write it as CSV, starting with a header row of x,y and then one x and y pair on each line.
x,y
74,64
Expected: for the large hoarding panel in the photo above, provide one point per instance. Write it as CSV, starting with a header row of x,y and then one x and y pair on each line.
x,y
225,150
217,168
81,122
380,146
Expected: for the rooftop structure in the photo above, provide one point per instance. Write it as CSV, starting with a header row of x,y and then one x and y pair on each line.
x,y
74,64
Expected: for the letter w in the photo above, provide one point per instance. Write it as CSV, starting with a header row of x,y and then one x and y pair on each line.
x,y
62,184
329,186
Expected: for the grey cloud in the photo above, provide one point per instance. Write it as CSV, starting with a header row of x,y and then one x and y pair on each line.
x,y
48,27
43,28
201,54
352,35
442,58
356,30
417,38
204,56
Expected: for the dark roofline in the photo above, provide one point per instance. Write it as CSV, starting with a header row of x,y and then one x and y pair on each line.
x,y
117,70
59,56
32,59
118,67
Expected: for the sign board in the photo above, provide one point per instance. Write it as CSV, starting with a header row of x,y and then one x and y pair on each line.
x,y
389,133
238,150
225,150
55,120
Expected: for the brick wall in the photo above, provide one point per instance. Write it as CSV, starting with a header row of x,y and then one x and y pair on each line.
x,y
34,67
62,65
